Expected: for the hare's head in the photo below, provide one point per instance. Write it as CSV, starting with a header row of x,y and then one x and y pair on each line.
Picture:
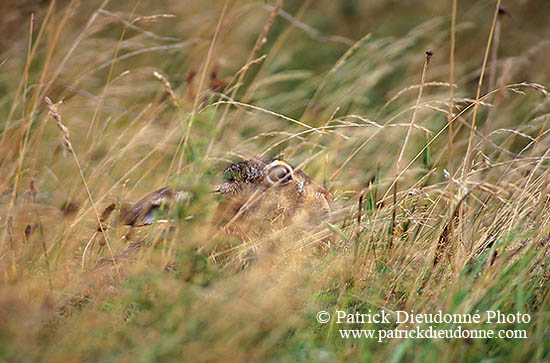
x,y
257,196
263,194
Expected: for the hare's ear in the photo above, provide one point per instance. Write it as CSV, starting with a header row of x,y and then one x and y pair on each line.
x,y
142,212
124,216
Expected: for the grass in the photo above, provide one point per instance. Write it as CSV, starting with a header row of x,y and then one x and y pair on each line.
x,y
438,165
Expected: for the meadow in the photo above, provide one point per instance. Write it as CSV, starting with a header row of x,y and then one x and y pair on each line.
x,y
428,121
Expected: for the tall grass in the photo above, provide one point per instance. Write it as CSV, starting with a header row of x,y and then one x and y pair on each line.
x,y
441,186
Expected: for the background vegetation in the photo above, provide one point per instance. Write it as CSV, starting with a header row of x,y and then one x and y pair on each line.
x,y
168,92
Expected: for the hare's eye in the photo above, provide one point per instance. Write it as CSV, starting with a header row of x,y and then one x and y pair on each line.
x,y
279,174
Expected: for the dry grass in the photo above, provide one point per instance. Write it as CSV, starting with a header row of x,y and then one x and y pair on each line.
x,y
441,186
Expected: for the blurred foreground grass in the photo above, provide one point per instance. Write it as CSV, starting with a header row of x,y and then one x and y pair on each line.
x,y
332,89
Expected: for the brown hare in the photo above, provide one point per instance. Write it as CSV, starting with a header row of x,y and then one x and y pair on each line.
x,y
258,195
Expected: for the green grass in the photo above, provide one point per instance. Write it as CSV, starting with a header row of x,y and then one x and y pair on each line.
x,y
335,90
